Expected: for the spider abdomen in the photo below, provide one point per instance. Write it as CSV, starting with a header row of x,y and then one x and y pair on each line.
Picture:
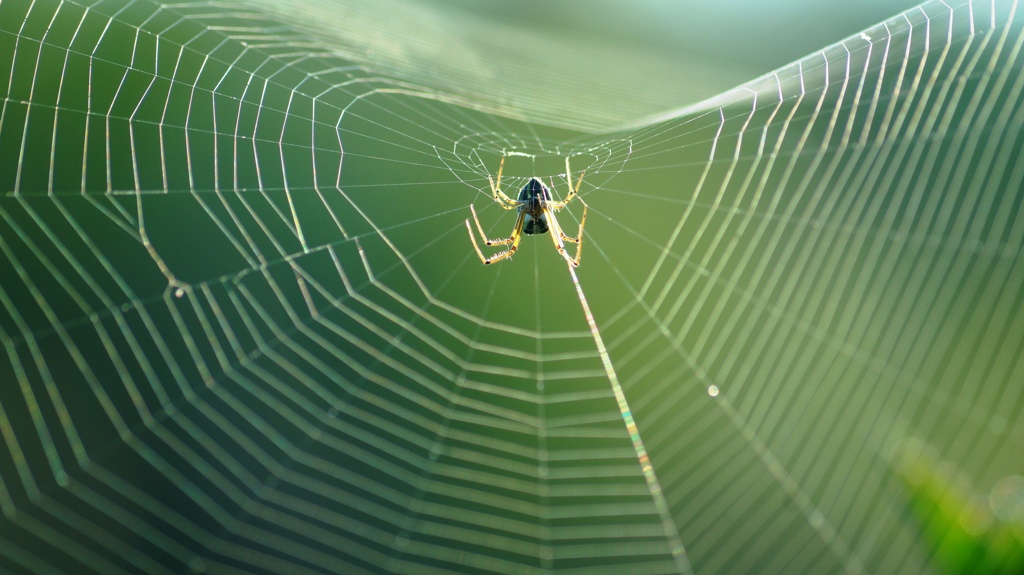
x,y
534,198
535,225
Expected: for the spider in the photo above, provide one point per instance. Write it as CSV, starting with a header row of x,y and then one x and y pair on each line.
x,y
536,216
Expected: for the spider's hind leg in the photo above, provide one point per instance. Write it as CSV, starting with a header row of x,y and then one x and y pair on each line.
x,y
513,239
579,233
558,236
483,236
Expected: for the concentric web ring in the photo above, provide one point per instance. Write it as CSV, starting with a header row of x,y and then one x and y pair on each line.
x,y
244,330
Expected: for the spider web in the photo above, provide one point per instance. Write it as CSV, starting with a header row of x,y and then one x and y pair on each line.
x,y
244,329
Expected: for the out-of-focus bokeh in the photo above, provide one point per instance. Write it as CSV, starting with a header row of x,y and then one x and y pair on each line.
x,y
739,35
245,328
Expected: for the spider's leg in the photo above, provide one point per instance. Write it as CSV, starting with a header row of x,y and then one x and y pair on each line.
x,y
572,191
480,229
499,196
556,237
517,232
579,234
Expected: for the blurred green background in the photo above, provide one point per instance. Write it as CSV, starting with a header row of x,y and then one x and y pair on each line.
x,y
245,330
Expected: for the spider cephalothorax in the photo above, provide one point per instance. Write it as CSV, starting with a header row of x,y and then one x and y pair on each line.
x,y
536,216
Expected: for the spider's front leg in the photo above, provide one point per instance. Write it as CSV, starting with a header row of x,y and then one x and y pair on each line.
x,y
572,191
499,196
